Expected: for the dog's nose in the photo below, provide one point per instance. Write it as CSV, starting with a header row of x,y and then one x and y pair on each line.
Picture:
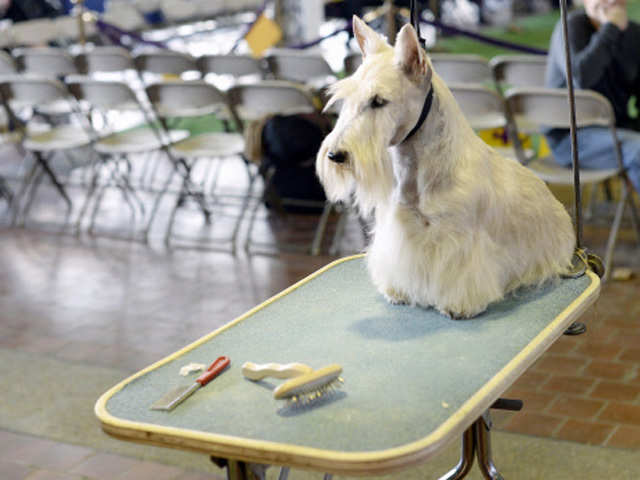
x,y
339,157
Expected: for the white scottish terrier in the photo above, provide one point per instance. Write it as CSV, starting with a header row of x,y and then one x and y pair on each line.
x,y
457,226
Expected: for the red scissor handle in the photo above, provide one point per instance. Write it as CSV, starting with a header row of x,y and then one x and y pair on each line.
x,y
214,370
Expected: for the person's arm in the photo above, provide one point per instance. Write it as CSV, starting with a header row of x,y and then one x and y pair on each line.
x,y
591,53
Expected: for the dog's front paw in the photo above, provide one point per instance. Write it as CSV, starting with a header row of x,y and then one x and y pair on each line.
x,y
459,315
395,297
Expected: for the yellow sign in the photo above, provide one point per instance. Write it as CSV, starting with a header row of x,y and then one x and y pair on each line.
x,y
264,34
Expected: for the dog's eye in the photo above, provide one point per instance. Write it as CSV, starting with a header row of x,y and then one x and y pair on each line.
x,y
378,102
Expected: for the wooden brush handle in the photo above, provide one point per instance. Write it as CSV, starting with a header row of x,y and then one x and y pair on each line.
x,y
255,371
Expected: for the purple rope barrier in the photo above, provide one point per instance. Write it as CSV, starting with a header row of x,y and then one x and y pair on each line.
x,y
442,26
116,34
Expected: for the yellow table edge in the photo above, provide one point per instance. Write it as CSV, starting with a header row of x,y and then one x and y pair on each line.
x,y
352,463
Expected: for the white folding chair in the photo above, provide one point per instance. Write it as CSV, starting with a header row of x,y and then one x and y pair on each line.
x,y
179,99
459,68
44,143
118,149
535,108
255,102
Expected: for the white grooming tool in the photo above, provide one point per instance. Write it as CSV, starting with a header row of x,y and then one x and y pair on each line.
x,y
305,384
258,371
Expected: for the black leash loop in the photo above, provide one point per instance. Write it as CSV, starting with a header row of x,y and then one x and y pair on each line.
x,y
415,20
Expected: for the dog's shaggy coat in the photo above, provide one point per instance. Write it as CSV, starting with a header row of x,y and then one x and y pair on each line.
x,y
457,226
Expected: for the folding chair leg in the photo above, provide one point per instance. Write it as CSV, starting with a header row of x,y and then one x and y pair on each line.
x,y
96,207
635,219
268,177
156,203
26,183
172,217
31,195
613,234
93,185
52,176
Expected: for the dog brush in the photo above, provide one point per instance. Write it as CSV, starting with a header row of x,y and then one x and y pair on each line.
x,y
305,384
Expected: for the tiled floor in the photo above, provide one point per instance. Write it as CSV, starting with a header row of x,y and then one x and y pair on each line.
x,y
124,305
31,458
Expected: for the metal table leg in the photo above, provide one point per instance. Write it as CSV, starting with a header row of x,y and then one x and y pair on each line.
x,y
466,456
483,442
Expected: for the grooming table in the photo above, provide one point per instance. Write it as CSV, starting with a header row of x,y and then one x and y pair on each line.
x,y
414,379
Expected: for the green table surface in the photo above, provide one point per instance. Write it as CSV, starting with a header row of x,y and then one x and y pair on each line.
x,y
413,378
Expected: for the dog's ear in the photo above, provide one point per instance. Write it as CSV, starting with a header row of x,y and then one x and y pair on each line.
x,y
368,40
410,56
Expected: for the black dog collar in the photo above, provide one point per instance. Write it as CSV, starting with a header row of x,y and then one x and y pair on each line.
x,y
423,115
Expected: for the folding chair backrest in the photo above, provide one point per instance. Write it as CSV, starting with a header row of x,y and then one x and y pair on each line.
x,y
7,64
186,99
179,10
32,91
123,14
105,59
548,107
456,68
67,28
104,95
298,66
165,62
236,65
255,101
483,108
53,62
351,62
38,32
519,71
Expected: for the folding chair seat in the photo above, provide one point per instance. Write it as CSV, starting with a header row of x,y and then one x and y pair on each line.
x,y
119,150
179,99
537,107
254,103
44,143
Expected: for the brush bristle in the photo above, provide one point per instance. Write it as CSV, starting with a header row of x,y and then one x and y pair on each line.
x,y
309,387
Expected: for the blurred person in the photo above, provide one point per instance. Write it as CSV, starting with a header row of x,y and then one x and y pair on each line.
x,y
605,55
